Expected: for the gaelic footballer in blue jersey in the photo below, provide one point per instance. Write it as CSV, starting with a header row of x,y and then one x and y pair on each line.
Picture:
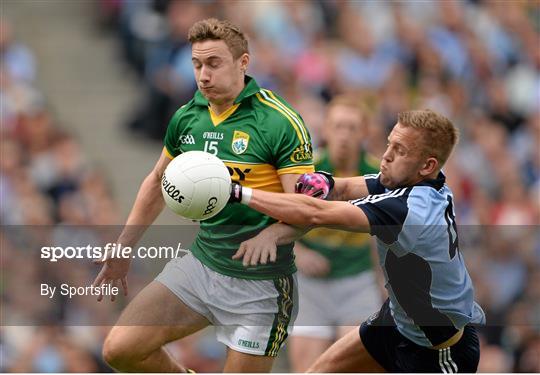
x,y
425,326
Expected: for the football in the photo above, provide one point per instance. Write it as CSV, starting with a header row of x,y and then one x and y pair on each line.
x,y
196,185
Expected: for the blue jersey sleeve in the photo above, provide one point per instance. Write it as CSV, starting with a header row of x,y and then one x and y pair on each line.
x,y
373,183
386,213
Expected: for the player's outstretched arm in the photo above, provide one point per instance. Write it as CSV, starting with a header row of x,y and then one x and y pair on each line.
x,y
148,205
301,210
348,188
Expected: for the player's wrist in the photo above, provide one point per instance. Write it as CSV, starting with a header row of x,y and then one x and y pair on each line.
x,y
246,195
316,184
329,178
240,194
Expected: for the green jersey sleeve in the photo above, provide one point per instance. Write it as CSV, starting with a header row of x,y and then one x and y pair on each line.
x,y
173,132
292,151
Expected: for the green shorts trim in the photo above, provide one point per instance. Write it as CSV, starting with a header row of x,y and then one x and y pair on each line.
x,y
282,318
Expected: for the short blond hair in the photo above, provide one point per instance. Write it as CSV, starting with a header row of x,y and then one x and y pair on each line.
x,y
439,134
214,29
351,101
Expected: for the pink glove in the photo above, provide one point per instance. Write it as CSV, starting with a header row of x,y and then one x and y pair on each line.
x,y
316,185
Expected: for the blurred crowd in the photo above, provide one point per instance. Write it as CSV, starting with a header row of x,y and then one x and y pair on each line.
x,y
45,180
477,62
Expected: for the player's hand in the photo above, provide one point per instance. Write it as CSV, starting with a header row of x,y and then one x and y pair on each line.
x,y
317,185
311,263
259,249
114,270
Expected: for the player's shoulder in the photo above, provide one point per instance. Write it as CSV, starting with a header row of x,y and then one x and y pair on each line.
x,y
186,108
183,114
282,120
274,98
273,106
419,204
183,110
427,203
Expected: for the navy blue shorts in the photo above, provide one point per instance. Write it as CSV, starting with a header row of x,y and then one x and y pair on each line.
x,y
395,353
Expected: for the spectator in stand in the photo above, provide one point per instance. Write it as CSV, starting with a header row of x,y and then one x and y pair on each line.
x,y
168,72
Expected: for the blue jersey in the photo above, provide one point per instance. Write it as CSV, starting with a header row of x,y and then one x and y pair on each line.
x,y
431,293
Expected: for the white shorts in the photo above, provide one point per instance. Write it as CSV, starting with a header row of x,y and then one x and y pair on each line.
x,y
326,304
250,316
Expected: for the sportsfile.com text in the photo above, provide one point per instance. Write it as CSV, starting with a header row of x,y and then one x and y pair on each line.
x,y
109,251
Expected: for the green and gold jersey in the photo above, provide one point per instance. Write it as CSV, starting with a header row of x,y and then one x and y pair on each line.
x,y
259,138
347,252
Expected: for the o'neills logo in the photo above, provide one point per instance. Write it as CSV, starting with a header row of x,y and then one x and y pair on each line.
x,y
171,190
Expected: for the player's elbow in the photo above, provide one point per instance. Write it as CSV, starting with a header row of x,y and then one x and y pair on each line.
x,y
332,214
316,214
303,219
310,215
317,218
152,184
154,177
300,220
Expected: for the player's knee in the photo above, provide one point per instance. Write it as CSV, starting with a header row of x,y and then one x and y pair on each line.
x,y
116,353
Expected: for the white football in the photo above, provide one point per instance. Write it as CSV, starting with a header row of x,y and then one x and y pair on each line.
x,y
196,185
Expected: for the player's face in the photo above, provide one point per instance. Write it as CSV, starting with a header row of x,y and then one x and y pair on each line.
x,y
218,75
403,159
344,130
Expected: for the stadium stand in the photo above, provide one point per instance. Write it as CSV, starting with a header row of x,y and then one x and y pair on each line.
x,y
477,62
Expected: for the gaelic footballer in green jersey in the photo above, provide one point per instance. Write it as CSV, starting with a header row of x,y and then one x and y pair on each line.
x,y
265,145
259,138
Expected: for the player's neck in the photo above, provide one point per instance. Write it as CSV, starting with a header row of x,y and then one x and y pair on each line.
x,y
218,109
225,104
432,176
